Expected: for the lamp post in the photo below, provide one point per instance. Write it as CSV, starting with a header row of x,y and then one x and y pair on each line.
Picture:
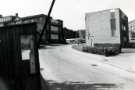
x,y
46,22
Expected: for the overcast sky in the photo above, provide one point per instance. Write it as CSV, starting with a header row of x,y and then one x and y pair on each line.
x,y
72,12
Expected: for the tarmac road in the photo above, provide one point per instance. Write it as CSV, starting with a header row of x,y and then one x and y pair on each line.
x,y
63,64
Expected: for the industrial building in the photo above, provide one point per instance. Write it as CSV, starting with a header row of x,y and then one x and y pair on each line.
x,y
53,33
107,28
131,26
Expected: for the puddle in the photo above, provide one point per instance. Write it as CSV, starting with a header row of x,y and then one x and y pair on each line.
x,y
94,65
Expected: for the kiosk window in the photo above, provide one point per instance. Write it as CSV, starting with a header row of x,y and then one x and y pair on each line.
x,y
26,46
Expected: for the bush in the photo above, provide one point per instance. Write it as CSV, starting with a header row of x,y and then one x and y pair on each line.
x,y
107,51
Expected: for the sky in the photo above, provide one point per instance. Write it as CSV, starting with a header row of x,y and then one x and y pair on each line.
x,y
72,12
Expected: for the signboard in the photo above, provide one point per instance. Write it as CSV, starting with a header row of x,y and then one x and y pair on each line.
x,y
25,54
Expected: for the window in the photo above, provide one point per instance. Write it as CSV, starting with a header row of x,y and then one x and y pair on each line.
x,y
113,24
54,28
132,35
54,36
112,15
123,27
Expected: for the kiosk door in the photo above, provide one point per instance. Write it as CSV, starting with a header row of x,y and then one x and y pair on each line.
x,y
28,53
30,63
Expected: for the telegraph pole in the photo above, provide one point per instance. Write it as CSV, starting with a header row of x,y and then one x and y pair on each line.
x,y
46,22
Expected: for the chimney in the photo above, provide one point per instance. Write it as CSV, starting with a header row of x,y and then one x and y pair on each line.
x,y
16,15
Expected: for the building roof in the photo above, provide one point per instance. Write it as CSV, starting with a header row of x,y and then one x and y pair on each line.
x,y
102,10
33,16
105,11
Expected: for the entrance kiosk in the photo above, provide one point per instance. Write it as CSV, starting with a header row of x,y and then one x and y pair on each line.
x,y
19,59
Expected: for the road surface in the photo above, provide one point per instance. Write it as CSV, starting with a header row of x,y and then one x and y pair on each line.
x,y
64,64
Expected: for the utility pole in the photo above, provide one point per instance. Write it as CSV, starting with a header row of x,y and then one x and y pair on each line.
x,y
46,22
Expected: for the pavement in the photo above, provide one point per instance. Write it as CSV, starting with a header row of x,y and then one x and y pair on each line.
x,y
61,63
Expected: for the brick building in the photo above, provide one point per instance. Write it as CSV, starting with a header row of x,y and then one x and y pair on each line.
x,y
53,33
107,28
